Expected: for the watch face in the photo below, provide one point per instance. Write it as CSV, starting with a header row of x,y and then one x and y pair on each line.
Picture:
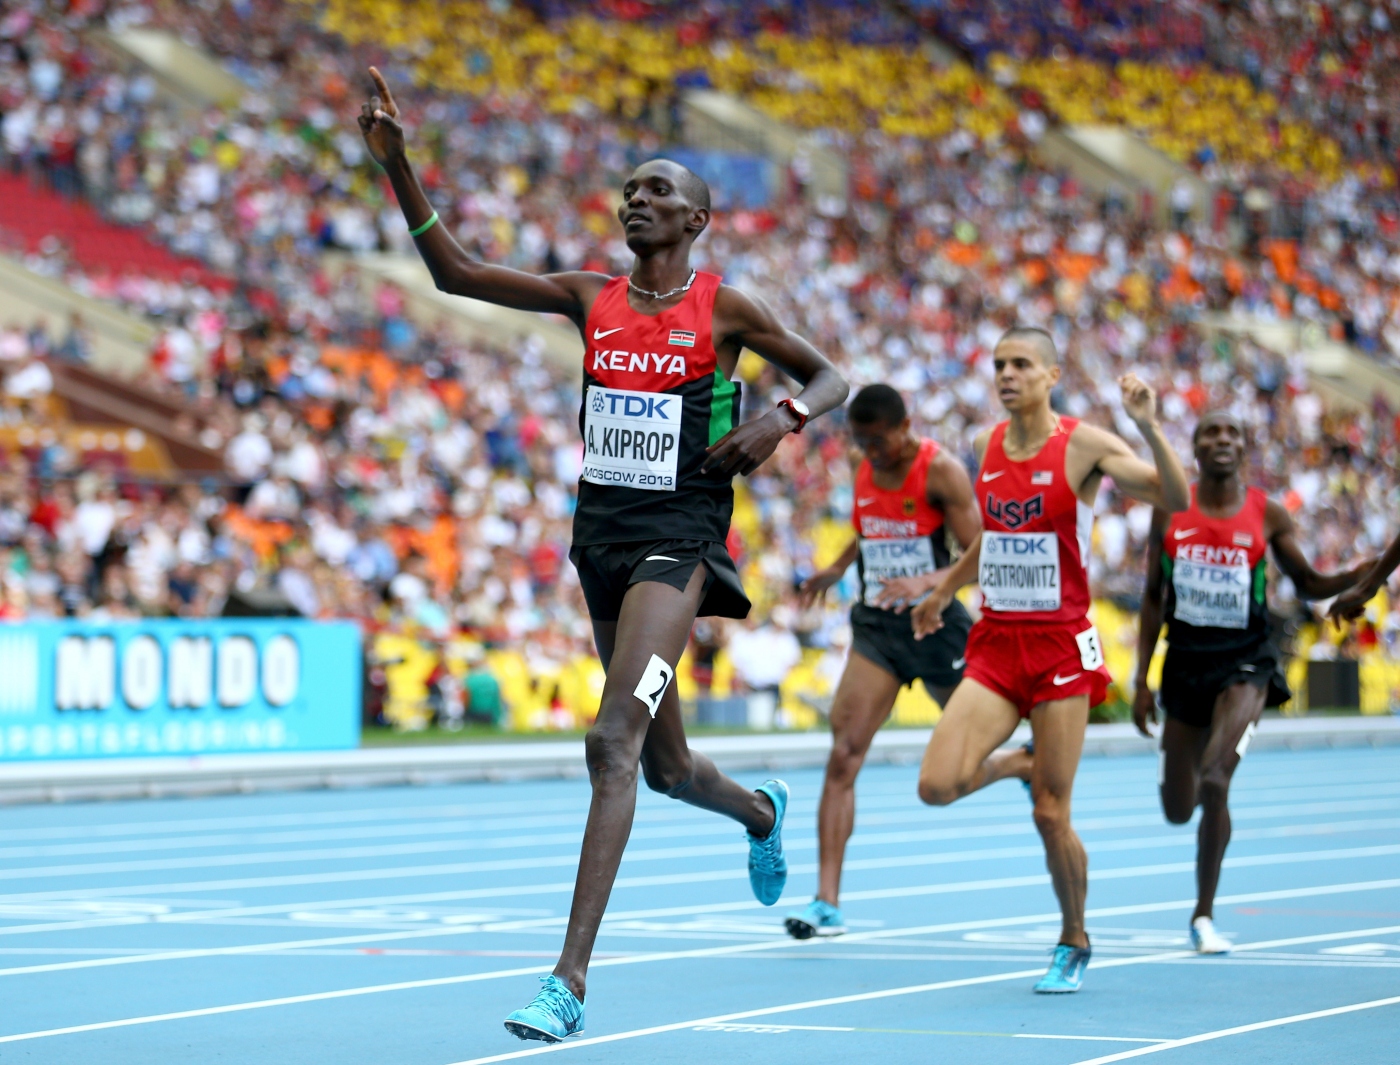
x,y
801,408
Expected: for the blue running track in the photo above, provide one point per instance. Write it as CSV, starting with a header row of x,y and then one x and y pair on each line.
x,y
398,927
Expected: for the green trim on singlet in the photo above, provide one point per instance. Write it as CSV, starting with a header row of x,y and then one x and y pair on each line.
x,y
1261,580
722,401
1166,568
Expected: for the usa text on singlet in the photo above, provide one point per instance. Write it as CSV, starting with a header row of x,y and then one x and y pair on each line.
x,y
1035,536
654,399
901,533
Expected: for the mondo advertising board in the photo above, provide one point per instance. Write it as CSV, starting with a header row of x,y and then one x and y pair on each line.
x,y
70,689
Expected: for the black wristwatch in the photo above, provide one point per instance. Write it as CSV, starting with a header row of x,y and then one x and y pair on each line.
x,y
800,412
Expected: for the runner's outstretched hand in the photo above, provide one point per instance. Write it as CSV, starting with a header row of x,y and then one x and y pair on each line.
x,y
379,122
900,594
816,586
1351,604
747,447
928,615
1139,401
1144,708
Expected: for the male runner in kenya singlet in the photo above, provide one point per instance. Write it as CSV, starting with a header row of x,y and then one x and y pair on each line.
x,y
1035,654
909,495
660,448
1206,576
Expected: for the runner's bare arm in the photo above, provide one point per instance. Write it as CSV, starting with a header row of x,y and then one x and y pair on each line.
x,y
815,586
453,269
1351,603
928,615
1149,624
742,321
1162,485
1282,537
949,489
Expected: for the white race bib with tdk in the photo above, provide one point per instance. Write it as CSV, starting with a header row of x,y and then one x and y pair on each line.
x,y
1211,596
885,559
631,439
1020,572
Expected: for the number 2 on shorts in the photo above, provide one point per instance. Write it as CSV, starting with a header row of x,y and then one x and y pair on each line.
x,y
1090,649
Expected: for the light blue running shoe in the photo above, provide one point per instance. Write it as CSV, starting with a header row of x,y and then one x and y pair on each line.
x,y
767,865
817,918
553,1016
1066,971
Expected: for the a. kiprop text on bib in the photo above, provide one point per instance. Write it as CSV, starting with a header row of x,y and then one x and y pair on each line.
x,y
1020,572
631,438
1211,596
882,561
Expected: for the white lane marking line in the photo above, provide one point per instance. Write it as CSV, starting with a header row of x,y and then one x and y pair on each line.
x,y
1257,1026
915,989
765,1029
1019,826
956,887
706,952
677,878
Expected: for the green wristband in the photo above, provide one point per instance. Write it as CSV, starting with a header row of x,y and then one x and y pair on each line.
x,y
424,227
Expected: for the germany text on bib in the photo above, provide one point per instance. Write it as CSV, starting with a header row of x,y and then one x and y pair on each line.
x,y
1020,572
631,439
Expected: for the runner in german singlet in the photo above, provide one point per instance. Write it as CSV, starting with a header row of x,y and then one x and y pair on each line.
x,y
902,534
1035,642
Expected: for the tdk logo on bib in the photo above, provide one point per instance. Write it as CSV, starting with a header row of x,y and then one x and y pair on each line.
x,y
631,439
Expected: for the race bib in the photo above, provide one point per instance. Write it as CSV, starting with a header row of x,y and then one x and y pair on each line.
x,y
1210,595
631,439
1020,572
1090,648
883,560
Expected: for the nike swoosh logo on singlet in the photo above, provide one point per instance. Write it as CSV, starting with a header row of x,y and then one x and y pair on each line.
x,y
958,664
992,476
607,332
865,502
1065,680
660,558
1182,534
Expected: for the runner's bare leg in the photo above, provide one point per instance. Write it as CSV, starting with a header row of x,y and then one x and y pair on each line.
x,y
1210,772
1058,729
655,619
959,758
864,698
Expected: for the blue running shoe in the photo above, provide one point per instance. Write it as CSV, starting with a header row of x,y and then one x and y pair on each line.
x,y
817,918
1066,971
1029,748
767,865
553,1016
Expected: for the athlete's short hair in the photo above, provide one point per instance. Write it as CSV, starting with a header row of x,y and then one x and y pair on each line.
x,y
691,184
877,405
1218,413
1041,338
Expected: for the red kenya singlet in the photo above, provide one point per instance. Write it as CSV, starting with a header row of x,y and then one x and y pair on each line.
x,y
901,533
654,399
1035,538
1216,577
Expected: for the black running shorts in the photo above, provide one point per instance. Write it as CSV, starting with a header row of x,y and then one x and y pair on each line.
x,y
1191,680
606,571
887,639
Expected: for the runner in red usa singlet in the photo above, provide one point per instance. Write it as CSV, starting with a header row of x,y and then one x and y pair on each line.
x,y
1034,578
1034,653
661,446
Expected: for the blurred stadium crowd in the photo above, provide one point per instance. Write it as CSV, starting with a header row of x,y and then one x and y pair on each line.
x,y
387,471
